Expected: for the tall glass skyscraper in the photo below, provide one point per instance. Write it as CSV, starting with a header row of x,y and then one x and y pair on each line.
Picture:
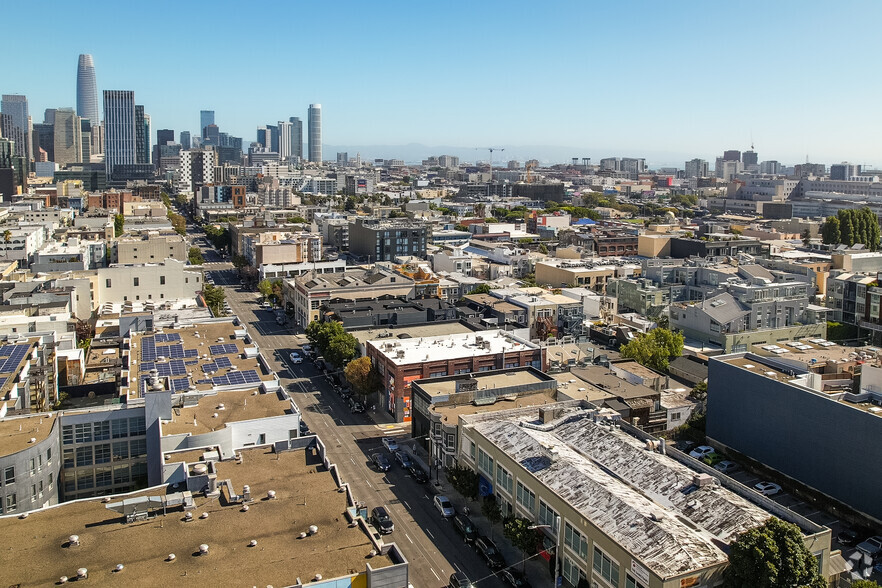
x,y
296,137
16,106
315,133
87,90
119,129
206,117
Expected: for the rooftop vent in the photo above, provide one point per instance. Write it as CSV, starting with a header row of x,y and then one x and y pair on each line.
x,y
82,573
203,549
252,543
74,540
313,529
119,568
171,557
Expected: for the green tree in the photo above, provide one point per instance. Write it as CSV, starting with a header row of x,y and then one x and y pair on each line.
x,y
361,376
461,228
481,289
864,584
265,287
806,237
181,201
322,333
490,219
830,231
699,392
464,480
846,227
179,224
654,349
773,555
277,291
341,349
195,256
297,220
517,530
240,261
119,221
491,511
529,280
543,248
214,299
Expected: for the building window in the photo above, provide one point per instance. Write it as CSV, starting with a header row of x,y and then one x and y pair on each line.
x,y
67,435
504,479
138,448
83,433
107,282
137,281
632,583
102,453
485,463
120,428
9,475
101,431
547,516
137,426
161,280
572,572
11,503
84,456
576,541
526,497
606,567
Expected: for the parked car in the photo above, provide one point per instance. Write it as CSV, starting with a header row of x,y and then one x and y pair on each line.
x,y
487,549
459,580
872,547
514,578
382,521
847,537
390,443
381,462
727,467
418,474
343,392
403,459
465,527
266,305
295,359
712,458
767,488
444,506
685,446
701,451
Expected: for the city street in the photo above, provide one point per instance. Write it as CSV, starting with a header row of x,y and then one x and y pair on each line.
x,y
428,541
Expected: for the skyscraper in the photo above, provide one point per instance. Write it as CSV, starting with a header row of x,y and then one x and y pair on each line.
x,y
16,106
314,121
296,137
185,140
285,129
696,168
119,129
87,90
68,137
206,117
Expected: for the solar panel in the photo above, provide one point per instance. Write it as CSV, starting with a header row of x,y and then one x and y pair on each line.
x,y
220,381
13,355
251,376
194,362
224,348
223,362
178,368
167,337
180,384
191,353
146,366
3,381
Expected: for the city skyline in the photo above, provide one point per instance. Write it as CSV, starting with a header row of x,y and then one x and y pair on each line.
x,y
565,78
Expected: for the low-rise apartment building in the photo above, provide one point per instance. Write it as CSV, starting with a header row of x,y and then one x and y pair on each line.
x,y
150,247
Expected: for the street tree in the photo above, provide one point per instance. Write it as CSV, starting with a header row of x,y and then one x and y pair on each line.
x,y
772,555
214,297
119,221
361,376
655,348
806,236
341,349
265,287
517,530
195,256
464,480
491,511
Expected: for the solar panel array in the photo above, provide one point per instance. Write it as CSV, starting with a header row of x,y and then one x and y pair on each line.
x,y
220,362
167,337
191,353
11,356
172,351
237,378
223,349
175,367
180,384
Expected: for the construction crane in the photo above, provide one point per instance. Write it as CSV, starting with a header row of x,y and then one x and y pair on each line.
x,y
491,150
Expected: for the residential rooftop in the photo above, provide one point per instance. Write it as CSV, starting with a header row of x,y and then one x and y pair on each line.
x,y
399,332
647,502
447,347
306,494
16,432
440,388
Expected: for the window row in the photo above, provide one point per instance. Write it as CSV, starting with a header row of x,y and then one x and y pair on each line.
x,y
103,430
88,455
35,464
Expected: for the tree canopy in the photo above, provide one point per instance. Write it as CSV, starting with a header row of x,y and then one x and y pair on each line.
x,y
214,299
335,344
655,348
195,256
851,226
119,221
361,376
773,555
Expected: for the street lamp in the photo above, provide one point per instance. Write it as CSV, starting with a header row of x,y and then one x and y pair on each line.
x,y
556,543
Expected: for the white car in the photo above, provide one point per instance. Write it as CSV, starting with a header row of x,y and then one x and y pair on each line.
x,y
391,444
727,466
444,506
701,451
767,488
296,358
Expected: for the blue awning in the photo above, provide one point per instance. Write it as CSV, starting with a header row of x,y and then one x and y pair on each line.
x,y
485,488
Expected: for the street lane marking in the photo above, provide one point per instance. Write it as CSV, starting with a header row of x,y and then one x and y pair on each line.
x,y
406,505
436,575
458,569
429,533
408,537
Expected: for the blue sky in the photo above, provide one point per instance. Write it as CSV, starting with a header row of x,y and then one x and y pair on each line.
x,y
657,79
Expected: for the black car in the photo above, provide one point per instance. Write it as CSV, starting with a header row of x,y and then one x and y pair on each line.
x,y
847,537
465,527
514,578
382,521
487,550
381,462
459,580
418,474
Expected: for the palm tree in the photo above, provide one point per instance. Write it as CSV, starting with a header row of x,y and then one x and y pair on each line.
x,y
7,237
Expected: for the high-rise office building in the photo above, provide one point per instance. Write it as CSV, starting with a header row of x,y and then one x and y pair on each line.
x,y
86,140
696,168
211,135
44,138
285,130
87,90
148,132
731,155
68,137
296,137
49,116
749,158
16,106
119,129
206,118
140,128
844,171
314,120
165,136
185,140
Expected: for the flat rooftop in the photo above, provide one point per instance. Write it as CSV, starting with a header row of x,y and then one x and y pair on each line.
x,y
447,347
306,495
392,332
450,414
201,357
645,501
446,385
214,412
16,432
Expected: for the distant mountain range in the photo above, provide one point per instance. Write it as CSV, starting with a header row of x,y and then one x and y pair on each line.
x,y
415,153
